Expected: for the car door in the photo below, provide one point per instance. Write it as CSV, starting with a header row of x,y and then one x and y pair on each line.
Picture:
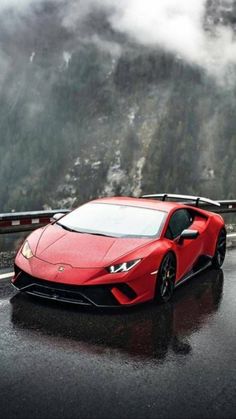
x,y
189,250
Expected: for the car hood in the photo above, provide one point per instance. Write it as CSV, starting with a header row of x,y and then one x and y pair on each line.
x,y
56,245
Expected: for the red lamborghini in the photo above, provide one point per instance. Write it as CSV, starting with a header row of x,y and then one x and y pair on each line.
x,y
121,251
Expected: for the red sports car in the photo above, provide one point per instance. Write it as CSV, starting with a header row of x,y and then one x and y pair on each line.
x,y
121,251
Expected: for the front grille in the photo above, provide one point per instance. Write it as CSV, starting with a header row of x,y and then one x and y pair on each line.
x,y
98,295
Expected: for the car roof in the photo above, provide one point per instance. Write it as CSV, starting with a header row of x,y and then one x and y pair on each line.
x,y
140,202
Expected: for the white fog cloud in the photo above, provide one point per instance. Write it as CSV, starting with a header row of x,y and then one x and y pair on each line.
x,y
173,25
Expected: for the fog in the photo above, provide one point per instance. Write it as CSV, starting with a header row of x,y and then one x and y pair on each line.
x,y
177,26
101,97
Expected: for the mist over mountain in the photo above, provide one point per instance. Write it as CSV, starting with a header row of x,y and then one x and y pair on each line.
x,y
100,97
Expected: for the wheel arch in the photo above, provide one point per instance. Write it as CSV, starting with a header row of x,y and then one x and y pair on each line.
x,y
215,262
216,224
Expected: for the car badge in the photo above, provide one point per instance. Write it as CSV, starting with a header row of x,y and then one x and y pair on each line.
x,y
61,269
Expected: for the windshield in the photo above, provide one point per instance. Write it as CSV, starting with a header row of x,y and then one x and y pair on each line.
x,y
114,220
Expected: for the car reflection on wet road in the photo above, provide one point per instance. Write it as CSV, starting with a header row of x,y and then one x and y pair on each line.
x,y
174,360
145,332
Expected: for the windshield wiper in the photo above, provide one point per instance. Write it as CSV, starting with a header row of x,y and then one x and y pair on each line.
x,y
66,228
100,234
83,232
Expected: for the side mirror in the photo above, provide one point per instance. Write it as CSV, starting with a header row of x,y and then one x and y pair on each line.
x,y
188,235
58,216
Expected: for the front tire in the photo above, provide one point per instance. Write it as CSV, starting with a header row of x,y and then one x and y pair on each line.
x,y
166,278
220,250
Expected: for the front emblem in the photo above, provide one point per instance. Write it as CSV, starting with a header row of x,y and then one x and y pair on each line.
x,y
61,269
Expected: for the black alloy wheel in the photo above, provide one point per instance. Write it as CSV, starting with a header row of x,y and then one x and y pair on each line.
x,y
166,278
220,251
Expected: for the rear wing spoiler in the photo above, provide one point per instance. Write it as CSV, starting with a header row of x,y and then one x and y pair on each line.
x,y
219,207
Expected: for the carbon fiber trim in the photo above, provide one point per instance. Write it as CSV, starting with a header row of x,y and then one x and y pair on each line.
x,y
93,295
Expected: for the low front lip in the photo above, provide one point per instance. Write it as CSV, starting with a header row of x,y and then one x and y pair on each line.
x,y
75,294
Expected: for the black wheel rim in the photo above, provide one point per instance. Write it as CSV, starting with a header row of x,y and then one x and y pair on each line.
x,y
221,248
167,274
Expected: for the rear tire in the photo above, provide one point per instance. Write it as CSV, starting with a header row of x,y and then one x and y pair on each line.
x,y
219,256
166,278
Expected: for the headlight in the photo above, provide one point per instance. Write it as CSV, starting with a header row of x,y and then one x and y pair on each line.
x,y
123,267
26,250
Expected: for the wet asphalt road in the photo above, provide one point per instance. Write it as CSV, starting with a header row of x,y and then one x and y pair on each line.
x,y
173,361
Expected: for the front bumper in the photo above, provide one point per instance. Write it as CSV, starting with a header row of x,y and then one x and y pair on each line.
x,y
90,295
85,286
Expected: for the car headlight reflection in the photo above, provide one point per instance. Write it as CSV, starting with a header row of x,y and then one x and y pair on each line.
x,y
26,250
123,267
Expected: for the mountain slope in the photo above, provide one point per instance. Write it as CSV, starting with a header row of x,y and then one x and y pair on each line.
x,y
93,112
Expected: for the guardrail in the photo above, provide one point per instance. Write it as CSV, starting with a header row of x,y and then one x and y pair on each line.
x,y
17,222
26,221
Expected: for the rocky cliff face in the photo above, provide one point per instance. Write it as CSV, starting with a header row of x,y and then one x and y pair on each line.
x,y
91,112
